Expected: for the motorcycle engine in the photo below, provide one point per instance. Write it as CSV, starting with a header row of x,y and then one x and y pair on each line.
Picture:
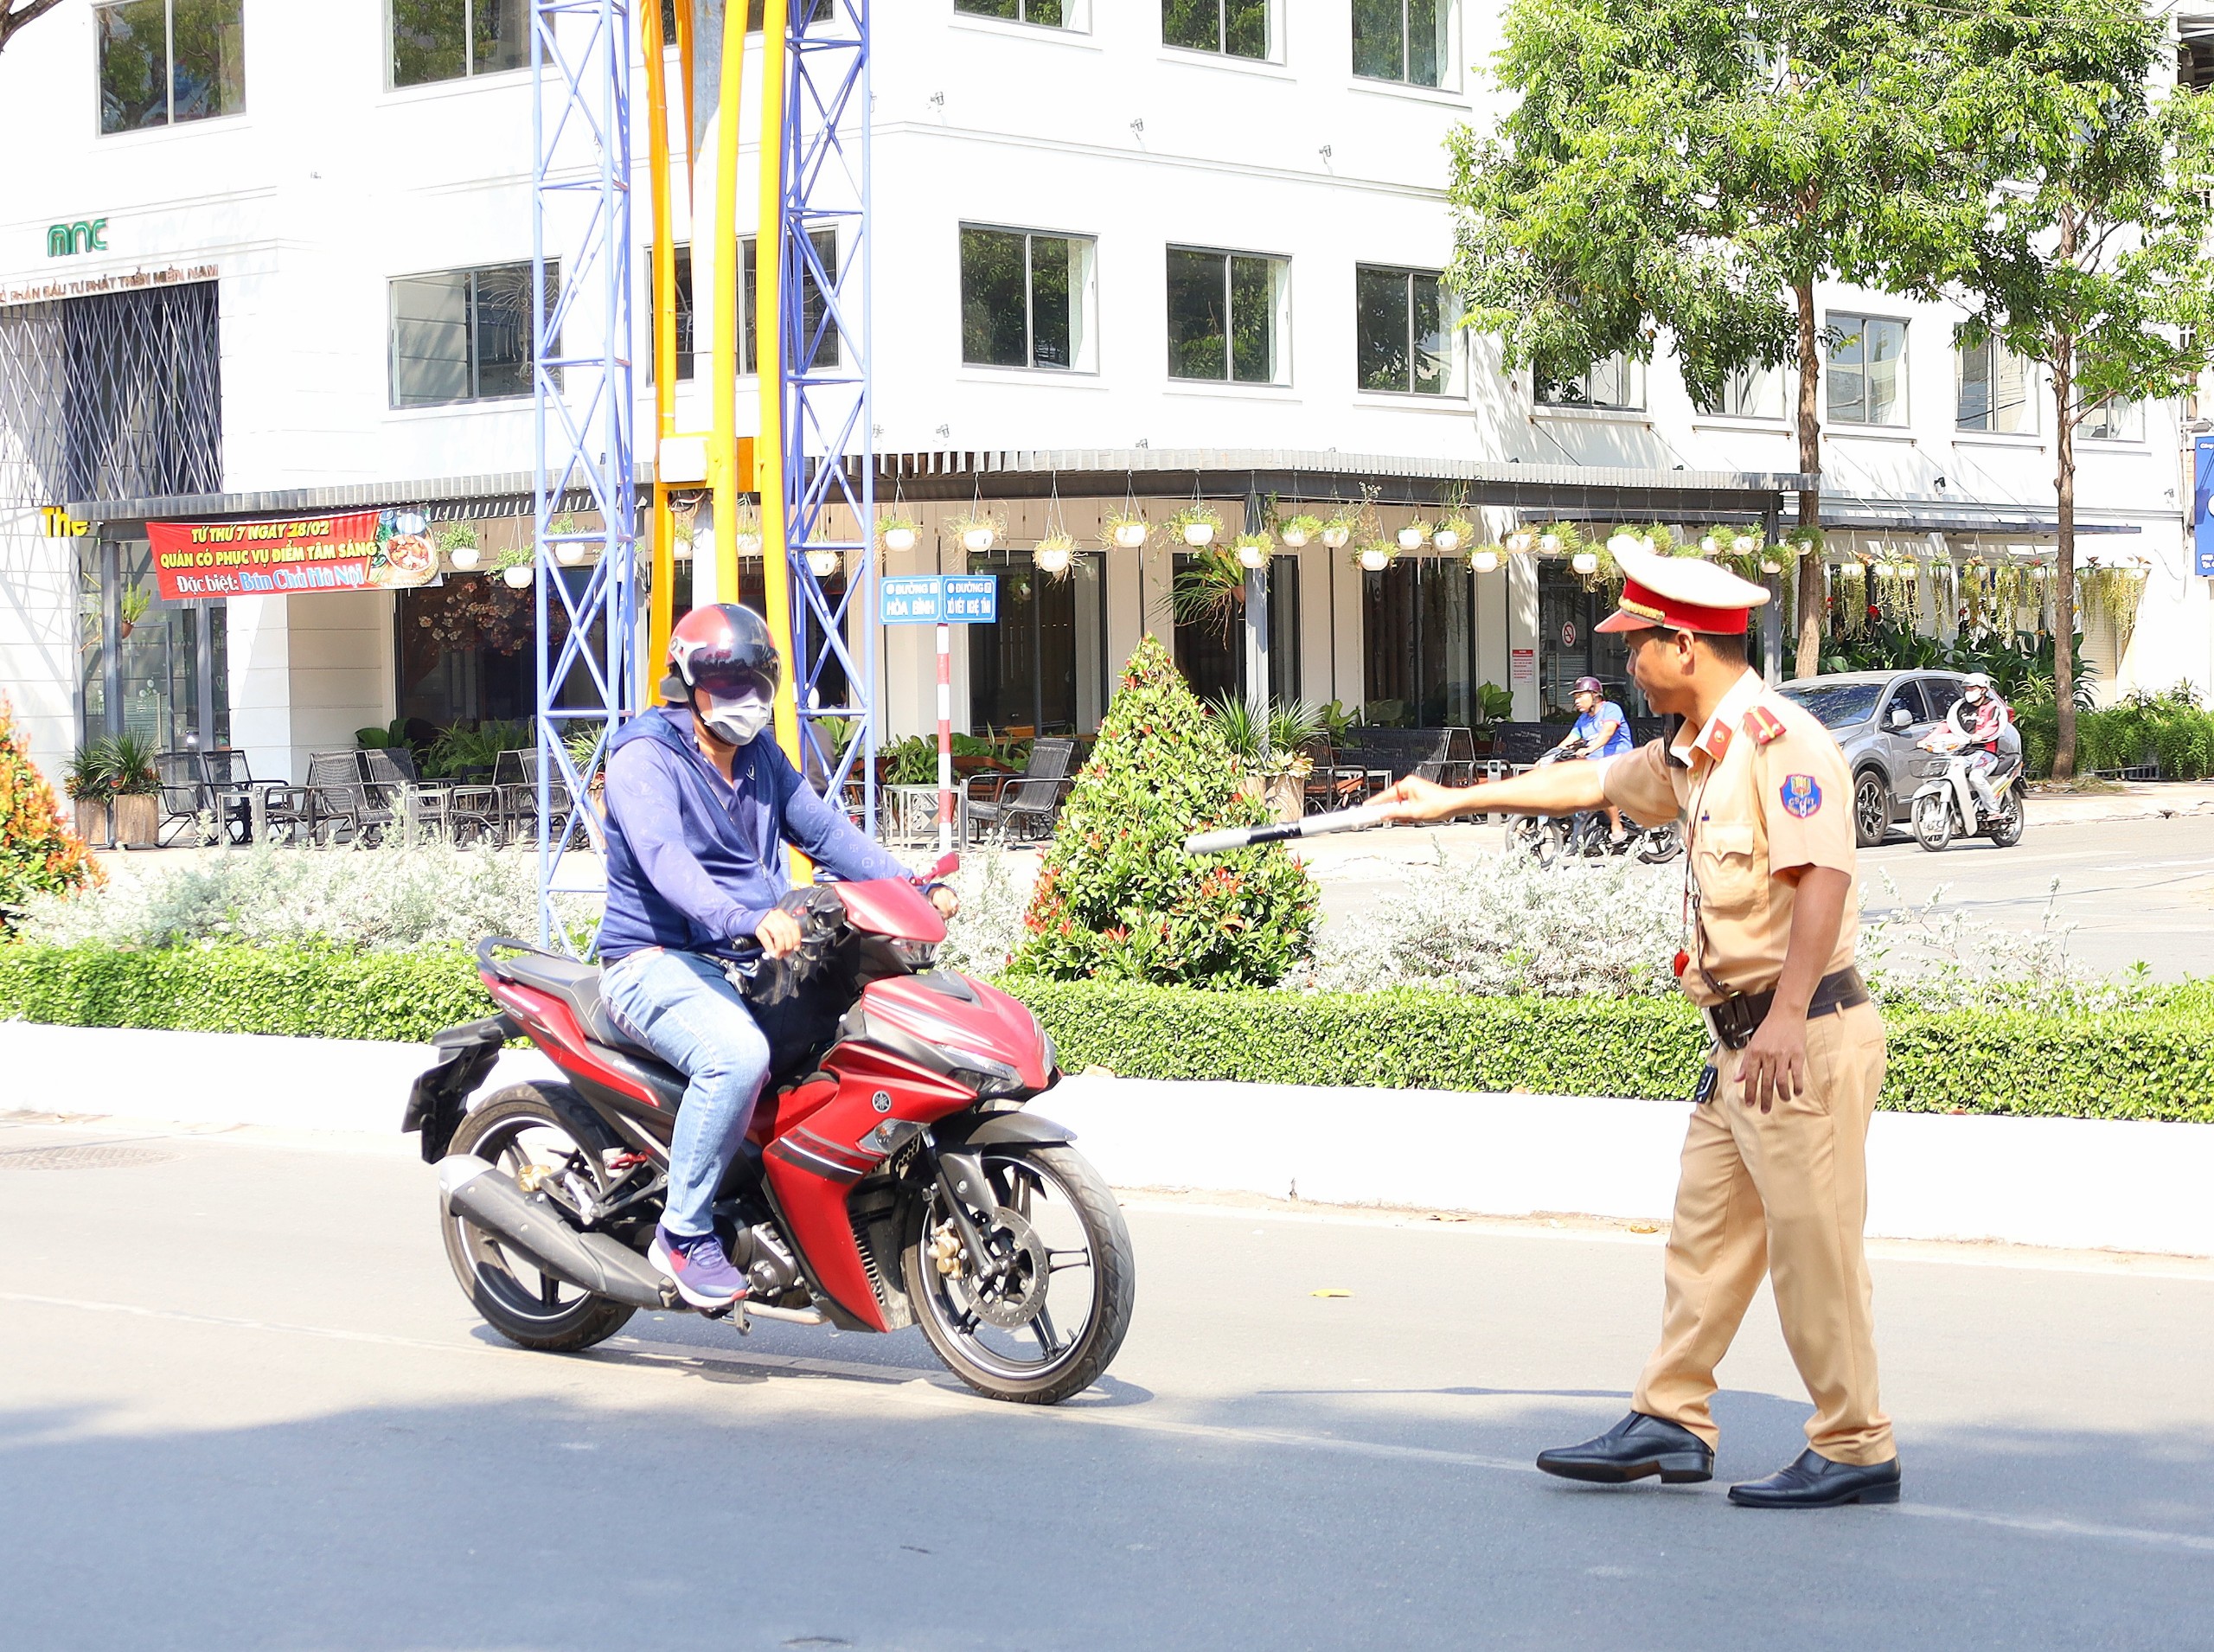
x,y
761,1254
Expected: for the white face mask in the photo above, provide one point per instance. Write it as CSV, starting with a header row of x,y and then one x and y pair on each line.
x,y
737,719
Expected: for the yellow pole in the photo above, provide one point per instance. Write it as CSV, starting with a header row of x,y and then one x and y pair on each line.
x,y
722,459
768,358
662,605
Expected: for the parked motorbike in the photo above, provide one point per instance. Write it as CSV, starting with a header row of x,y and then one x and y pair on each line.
x,y
891,1174
1945,805
1584,833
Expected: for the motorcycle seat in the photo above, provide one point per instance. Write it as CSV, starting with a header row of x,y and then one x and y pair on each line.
x,y
578,986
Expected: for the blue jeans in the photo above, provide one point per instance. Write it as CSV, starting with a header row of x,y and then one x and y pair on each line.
x,y
682,1008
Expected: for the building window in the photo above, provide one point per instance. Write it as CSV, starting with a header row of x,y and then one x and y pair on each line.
x,y
162,61
1617,383
1752,392
1047,14
1233,28
683,260
1867,369
1228,317
446,39
1405,331
2114,421
1212,655
1401,39
1026,299
1994,388
1043,669
1418,619
463,336
814,308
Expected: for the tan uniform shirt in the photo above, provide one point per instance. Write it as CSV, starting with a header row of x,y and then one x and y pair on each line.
x,y
1763,793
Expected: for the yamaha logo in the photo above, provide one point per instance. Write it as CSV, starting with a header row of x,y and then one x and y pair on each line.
x,y
881,1102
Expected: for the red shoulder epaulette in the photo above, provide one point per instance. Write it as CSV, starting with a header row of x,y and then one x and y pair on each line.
x,y
1763,724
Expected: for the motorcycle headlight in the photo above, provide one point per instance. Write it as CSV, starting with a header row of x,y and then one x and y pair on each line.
x,y
916,955
984,1075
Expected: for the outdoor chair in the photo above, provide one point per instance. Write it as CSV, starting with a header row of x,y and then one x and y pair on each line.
x,y
184,793
232,790
389,773
1444,755
1031,799
515,775
339,801
1331,784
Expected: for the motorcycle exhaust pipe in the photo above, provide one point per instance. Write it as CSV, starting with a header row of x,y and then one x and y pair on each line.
x,y
593,1262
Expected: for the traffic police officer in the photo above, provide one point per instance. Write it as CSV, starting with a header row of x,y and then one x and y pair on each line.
x,y
1775,1167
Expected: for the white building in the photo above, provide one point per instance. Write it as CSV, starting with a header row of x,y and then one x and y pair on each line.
x,y
325,207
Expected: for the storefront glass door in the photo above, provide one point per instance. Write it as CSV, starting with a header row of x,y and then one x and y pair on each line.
x,y
1570,647
1212,655
1420,637
1043,667
165,677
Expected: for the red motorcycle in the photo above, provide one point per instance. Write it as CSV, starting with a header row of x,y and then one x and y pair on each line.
x,y
891,1177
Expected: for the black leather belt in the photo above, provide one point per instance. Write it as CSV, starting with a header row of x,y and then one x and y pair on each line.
x,y
1736,1019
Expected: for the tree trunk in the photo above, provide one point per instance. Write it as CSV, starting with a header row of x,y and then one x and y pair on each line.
x,y
1811,602
2063,592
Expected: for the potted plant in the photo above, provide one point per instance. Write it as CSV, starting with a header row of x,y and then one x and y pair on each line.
x,y
897,529
1375,556
822,561
1297,530
977,528
1485,558
85,780
1338,531
133,786
746,529
1452,533
133,605
1054,553
516,567
1252,550
1196,524
569,553
1124,528
1208,591
1274,769
1414,535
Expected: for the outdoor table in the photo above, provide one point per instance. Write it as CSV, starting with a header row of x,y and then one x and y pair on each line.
x,y
910,804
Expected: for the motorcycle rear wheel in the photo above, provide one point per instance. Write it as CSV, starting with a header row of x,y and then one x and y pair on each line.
x,y
1056,1195
1933,821
2006,828
528,1124
1660,846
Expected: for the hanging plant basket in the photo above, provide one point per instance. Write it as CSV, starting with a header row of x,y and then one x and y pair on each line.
x,y
1414,536
1452,533
897,531
1375,556
1296,531
1252,550
1485,559
1125,528
1053,555
1196,525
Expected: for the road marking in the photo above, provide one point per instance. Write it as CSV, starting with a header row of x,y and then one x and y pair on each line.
x,y
942,1392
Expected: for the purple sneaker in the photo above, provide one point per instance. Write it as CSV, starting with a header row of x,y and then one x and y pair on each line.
x,y
703,1274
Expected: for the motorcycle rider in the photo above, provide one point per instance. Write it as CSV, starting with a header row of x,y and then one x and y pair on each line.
x,y
699,806
1602,731
1979,717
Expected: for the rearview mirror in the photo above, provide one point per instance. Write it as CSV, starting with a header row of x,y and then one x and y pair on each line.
x,y
1901,717
946,867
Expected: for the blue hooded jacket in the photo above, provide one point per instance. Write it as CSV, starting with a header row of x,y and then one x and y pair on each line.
x,y
693,861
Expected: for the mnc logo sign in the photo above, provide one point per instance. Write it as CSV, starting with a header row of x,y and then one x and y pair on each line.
x,y
64,241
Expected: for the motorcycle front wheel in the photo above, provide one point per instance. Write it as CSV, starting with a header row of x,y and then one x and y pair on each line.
x,y
1934,820
1045,1316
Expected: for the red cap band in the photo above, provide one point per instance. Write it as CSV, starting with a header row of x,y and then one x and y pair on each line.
x,y
1640,606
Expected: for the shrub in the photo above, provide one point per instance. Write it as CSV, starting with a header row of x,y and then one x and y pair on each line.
x,y
394,896
1118,898
39,853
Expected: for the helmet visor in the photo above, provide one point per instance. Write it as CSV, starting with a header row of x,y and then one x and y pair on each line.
x,y
727,680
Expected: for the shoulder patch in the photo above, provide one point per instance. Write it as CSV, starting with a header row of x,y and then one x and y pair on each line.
x,y
1801,796
1763,724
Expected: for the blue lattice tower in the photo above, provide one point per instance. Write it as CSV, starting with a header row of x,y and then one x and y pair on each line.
x,y
581,381
828,434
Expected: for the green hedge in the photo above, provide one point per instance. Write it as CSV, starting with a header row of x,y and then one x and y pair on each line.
x,y
312,992
2156,1063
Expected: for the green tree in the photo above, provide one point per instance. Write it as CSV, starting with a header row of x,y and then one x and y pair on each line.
x,y
1118,898
15,14
2089,254
1697,166
38,854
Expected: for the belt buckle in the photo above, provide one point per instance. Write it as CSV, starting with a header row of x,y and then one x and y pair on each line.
x,y
1729,1029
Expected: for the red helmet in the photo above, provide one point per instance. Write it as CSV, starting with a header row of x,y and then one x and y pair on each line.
x,y
724,649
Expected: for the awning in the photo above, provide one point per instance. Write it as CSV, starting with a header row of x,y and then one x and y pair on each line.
x,y
501,493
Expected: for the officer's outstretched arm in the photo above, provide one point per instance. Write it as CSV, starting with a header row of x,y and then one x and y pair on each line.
x,y
1557,789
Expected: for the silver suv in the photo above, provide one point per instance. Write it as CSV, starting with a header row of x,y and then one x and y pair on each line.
x,y
1876,717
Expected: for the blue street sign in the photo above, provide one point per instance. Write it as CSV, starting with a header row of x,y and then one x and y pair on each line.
x,y
939,599
972,598
911,599
2202,507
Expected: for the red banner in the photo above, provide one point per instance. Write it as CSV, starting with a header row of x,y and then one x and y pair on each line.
x,y
362,550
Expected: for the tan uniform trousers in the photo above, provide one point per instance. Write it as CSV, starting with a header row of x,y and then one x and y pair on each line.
x,y
1782,1192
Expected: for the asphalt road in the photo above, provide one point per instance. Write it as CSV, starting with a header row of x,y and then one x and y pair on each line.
x,y
243,1405
2130,889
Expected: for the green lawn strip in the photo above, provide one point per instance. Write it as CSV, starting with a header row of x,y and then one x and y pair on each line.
x,y
2150,1063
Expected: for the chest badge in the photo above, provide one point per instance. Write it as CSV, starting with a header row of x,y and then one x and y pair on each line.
x,y
1801,796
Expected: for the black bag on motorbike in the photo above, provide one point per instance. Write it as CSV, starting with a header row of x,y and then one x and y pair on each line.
x,y
796,1000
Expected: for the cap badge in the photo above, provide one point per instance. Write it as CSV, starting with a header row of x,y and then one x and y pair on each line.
x,y
1801,796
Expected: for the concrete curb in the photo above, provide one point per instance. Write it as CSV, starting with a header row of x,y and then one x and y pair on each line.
x,y
2068,1183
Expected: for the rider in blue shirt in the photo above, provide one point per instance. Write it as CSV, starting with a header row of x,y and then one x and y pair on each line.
x,y
1602,731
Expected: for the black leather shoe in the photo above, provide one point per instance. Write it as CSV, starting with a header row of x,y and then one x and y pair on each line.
x,y
1637,1447
1815,1481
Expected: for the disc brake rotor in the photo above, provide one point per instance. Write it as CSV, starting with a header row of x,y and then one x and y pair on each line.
x,y
1014,1300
